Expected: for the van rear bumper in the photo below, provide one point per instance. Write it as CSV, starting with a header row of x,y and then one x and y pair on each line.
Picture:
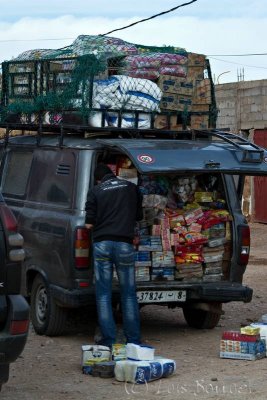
x,y
72,298
226,292
223,292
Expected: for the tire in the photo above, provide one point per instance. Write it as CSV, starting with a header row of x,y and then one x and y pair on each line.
x,y
46,316
201,319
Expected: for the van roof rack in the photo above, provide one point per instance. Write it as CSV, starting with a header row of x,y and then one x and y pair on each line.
x,y
251,152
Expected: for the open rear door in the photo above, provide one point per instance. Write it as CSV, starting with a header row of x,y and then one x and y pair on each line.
x,y
191,156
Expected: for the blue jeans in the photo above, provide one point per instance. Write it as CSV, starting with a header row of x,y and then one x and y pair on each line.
x,y
106,254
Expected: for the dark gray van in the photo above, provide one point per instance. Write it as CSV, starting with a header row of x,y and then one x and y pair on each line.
x,y
45,177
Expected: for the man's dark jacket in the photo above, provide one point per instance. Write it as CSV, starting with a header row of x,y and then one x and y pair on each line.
x,y
113,207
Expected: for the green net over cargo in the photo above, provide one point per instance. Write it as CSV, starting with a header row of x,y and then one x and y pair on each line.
x,y
107,82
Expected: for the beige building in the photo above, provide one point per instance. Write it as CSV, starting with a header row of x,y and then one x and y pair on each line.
x,y
242,108
242,105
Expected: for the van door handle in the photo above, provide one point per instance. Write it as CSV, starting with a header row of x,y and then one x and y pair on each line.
x,y
212,164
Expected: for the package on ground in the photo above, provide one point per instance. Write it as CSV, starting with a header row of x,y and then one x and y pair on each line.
x,y
144,371
250,330
263,330
92,354
103,369
245,344
118,352
139,352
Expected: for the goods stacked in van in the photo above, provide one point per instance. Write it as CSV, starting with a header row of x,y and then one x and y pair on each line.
x,y
108,74
185,233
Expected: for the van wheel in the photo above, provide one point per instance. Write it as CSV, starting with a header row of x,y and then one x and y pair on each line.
x,y
46,316
202,319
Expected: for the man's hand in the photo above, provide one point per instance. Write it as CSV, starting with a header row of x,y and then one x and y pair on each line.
x,y
89,226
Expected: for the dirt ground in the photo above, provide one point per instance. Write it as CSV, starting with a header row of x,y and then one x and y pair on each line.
x,y
50,369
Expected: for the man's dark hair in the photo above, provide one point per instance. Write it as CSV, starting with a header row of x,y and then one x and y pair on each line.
x,y
101,170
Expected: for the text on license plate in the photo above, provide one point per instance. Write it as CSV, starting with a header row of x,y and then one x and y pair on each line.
x,y
160,296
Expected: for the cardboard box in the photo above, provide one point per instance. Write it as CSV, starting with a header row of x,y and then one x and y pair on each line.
x,y
92,354
195,73
199,122
202,92
195,59
200,107
172,84
161,122
175,102
241,356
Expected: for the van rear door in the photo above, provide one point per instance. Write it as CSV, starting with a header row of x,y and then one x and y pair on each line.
x,y
191,156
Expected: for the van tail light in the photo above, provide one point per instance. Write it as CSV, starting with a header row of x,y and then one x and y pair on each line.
x,y
82,248
19,327
244,244
8,218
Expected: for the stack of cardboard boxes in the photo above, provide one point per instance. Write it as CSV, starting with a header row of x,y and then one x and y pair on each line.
x,y
190,94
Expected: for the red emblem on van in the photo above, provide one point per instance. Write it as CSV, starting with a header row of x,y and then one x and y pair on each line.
x,y
145,159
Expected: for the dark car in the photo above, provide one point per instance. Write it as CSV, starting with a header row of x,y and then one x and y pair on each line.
x,y
14,310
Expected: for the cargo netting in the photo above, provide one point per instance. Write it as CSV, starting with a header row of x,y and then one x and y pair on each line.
x,y
107,82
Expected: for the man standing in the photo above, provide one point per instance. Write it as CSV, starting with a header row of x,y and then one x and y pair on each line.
x,y
112,208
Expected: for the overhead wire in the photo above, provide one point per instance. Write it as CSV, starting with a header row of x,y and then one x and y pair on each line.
x,y
237,55
232,62
147,19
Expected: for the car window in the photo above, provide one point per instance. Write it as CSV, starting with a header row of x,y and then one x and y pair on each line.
x,y
52,179
17,173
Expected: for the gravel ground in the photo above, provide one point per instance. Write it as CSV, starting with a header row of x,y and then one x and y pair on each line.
x,y
49,368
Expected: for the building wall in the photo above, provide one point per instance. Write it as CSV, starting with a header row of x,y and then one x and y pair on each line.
x,y
242,105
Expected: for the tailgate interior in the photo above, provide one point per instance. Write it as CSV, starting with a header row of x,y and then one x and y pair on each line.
x,y
185,234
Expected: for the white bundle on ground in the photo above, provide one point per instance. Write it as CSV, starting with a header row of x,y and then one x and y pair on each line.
x,y
139,352
144,371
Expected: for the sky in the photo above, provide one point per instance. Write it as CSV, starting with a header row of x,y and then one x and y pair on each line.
x,y
216,28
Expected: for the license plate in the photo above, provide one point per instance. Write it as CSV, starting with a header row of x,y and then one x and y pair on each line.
x,y
160,296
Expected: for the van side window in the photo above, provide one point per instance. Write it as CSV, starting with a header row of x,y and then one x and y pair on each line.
x,y
17,173
54,171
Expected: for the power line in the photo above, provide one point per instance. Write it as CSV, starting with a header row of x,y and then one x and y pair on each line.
x,y
147,19
232,62
237,55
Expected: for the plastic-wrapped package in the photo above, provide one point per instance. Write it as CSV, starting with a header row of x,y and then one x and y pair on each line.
x,y
174,70
129,120
125,92
139,352
144,371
